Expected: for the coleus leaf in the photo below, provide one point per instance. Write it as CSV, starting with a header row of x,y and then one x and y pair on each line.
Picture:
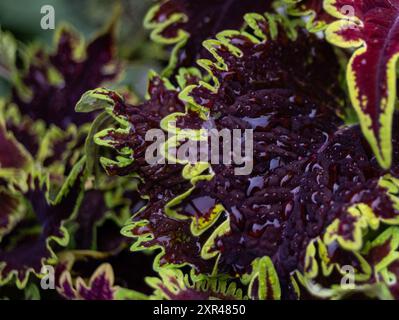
x,y
186,24
99,287
91,149
59,152
55,149
372,30
383,250
154,230
30,244
90,217
13,156
390,276
150,226
308,170
135,121
368,212
290,198
280,46
103,211
27,131
8,53
56,81
331,261
45,121
11,211
264,283
307,121
92,275
334,276
312,290
242,58
173,284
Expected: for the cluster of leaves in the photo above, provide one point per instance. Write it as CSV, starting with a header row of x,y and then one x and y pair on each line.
x,y
320,207
55,210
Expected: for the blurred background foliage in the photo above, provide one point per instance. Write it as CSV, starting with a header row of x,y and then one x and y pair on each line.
x,y
22,18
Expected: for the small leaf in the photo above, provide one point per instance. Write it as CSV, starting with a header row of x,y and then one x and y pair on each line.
x,y
94,100
264,283
91,148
